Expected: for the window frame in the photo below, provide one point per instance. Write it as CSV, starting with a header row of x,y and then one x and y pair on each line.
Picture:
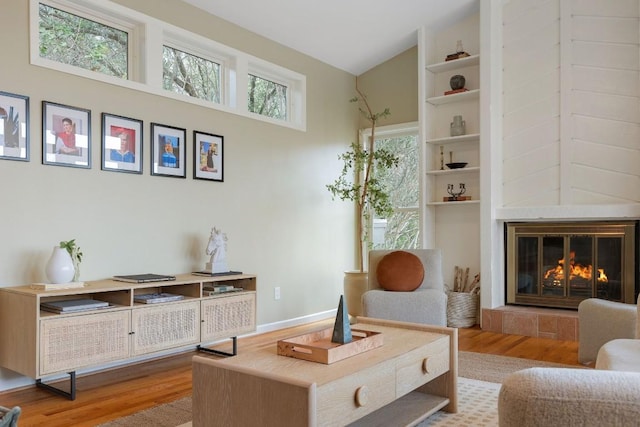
x,y
148,35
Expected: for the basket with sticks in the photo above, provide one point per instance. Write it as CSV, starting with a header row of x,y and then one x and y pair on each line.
x,y
463,300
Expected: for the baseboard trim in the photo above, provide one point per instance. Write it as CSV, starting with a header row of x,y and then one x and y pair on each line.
x,y
268,327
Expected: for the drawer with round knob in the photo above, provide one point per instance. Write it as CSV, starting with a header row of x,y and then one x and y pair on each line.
x,y
349,398
421,365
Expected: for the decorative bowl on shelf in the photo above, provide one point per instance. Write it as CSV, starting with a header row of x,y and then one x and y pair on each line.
x,y
456,165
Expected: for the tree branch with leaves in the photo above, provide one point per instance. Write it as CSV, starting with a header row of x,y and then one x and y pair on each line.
x,y
358,182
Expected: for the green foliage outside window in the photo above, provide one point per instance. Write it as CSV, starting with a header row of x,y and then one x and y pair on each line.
x,y
77,41
402,228
267,98
190,75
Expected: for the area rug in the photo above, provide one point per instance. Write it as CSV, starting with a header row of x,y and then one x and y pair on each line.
x,y
478,388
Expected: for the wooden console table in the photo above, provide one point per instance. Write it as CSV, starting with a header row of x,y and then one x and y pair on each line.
x,y
38,343
411,376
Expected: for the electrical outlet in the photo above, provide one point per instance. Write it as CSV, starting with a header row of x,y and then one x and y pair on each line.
x,y
276,293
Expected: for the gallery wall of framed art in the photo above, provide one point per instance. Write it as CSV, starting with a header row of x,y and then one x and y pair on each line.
x,y
67,141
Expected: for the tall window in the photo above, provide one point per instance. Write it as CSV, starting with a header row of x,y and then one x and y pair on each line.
x,y
190,75
74,40
402,229
267,98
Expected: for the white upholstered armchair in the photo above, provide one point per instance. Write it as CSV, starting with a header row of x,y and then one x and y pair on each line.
x,y
605,396
601,321
427,304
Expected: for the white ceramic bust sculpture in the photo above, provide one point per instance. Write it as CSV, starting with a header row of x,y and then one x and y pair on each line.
x,y
217,248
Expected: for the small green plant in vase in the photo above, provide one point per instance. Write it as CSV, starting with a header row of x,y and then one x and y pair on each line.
x,y
76,255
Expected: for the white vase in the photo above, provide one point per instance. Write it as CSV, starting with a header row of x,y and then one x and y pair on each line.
x,y
59,268
355,285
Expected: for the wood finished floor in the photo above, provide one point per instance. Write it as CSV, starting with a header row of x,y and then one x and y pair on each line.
x,y
119,392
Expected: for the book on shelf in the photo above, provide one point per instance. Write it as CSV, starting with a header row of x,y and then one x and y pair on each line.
x,y
221,289
210,274
157,298
456,199
144,278
73,305
451,92
54,286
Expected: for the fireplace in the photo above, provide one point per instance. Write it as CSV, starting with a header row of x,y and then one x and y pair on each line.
x,y
561,264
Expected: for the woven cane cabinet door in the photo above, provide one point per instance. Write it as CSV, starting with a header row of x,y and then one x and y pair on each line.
x,y
228,316
165,326
72,342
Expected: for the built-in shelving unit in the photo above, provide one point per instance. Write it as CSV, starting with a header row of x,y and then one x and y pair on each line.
x,y
452,226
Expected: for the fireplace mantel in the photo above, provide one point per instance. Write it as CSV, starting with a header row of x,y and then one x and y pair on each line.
x,y
569,212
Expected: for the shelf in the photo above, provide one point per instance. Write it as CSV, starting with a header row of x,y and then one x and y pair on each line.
x,y
455,64
456,97
451,171
466,202
452,139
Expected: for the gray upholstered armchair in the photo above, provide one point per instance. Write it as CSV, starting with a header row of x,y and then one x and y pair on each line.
x,y
427,304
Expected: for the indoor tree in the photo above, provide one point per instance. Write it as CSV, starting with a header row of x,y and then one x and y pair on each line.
x,y
358,181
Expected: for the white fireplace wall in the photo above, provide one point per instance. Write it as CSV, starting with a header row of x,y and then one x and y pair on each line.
x,y
571,128
560,119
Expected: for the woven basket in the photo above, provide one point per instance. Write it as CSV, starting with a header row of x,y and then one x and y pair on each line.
x,y
462,309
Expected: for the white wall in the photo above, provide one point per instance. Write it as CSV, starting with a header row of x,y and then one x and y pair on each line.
x,y
568,143
571,103
280,220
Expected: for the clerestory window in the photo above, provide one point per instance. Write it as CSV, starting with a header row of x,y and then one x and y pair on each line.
x,y
74,40
267,98
190,75
105,41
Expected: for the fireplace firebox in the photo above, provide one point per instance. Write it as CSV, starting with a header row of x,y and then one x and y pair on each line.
x,y
561,264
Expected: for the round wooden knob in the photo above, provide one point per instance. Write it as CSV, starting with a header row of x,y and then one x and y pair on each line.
x,y
425,365
362,395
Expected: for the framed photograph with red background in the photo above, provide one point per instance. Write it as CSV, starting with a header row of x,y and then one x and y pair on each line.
x,y
66,135
121,144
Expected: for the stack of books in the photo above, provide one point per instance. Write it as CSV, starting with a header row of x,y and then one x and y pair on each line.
x,y
73,305
220,289
157,298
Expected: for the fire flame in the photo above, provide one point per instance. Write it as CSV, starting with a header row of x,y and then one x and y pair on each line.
x,y
575,270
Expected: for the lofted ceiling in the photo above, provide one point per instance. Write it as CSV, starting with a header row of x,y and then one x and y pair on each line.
x,y
352,35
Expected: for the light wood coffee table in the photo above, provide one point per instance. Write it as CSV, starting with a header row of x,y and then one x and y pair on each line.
x,y
411,376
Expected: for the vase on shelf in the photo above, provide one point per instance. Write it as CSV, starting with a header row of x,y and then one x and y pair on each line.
x,y
60,268
457,82
458,126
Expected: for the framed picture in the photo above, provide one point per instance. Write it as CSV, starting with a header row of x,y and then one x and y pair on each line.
x,y
66,135
168,151
208,157
14,126
121,144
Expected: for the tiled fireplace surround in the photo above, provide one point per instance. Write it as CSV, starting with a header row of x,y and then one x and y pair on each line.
x,y
558,324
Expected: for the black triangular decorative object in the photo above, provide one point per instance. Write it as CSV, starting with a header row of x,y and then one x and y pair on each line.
x,y
342,327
